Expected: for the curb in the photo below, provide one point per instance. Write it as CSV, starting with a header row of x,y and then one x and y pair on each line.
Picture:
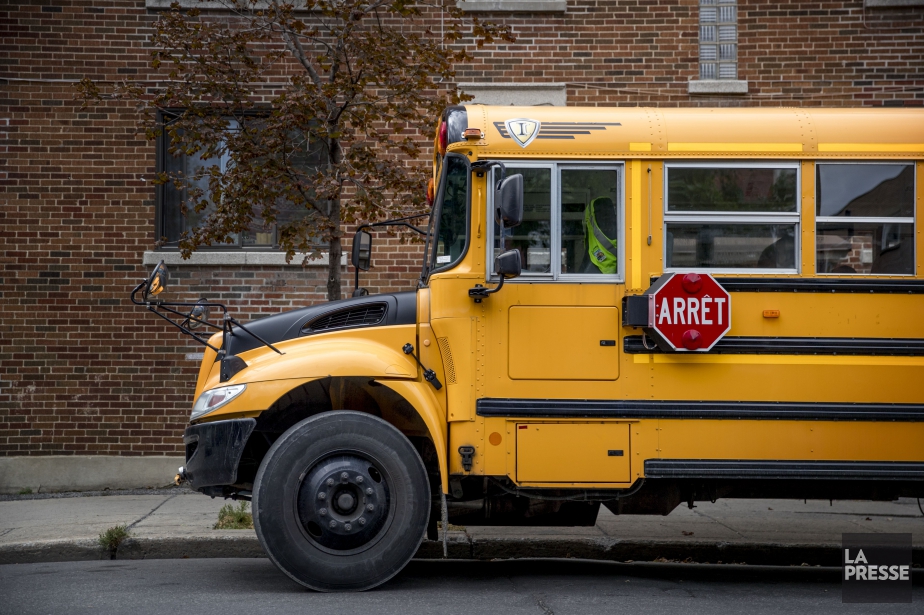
x,y
51,551
461,547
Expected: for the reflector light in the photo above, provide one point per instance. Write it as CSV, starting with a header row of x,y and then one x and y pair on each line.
x,y
472,133
430,191
692,282
692,339
444,138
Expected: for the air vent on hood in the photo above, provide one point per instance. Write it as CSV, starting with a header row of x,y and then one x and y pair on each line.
x,y
356,316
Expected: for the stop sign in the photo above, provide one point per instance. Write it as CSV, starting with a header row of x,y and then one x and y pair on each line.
x,y
687,312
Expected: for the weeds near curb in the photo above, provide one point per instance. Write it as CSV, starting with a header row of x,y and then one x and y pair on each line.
x,y
112,538
25,491
232,517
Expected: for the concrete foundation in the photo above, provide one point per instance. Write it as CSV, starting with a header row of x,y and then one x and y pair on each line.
x,y
85,473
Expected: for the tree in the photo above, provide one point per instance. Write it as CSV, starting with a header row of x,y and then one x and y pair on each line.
x,y
321,107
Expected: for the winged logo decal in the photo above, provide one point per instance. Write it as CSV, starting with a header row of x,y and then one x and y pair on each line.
x,y
522,130
525,130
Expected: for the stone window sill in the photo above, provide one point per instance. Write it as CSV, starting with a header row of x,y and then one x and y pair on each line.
x,y
236,257
513,6
888,4
518,94
718,86
205,5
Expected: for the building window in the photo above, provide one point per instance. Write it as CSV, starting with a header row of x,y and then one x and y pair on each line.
x,y
172,222
865,218
572,224
718,39
729,217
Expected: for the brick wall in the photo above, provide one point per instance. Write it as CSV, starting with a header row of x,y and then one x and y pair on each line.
x,y
643,52
82,371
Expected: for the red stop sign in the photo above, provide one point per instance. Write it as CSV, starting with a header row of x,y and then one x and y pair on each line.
x,y
688,312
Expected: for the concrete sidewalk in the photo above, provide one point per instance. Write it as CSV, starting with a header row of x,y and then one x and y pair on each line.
x,y
177,523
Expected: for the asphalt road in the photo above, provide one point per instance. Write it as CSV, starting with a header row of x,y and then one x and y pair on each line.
x,y
205,587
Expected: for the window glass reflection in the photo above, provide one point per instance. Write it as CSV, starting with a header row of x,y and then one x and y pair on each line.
x,y
720,246
733,190
865,190
865,248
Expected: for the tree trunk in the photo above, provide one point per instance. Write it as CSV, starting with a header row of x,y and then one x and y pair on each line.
x,y
334,253
334,291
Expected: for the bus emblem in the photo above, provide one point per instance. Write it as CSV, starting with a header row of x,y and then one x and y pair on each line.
x,y
522,130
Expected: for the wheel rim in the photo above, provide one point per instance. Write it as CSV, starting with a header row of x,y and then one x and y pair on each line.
x,y
344,502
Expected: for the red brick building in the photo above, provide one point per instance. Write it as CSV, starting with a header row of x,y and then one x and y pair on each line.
x,y
85,373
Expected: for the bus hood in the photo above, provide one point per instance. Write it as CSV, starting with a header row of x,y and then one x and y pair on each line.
x,y
368,311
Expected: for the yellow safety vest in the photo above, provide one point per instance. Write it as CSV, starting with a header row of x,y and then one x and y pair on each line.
x,y
602,249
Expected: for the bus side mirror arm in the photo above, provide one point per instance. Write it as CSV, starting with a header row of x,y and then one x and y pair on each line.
x,y
506,265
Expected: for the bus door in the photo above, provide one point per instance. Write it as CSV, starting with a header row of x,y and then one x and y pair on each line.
x,y
553,332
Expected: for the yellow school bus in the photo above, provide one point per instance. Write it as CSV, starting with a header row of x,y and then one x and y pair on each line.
x,y
527,379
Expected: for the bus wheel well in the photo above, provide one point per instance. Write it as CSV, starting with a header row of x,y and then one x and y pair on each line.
x,y
361,394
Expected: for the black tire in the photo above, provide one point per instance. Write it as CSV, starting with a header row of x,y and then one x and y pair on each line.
x,y
359,463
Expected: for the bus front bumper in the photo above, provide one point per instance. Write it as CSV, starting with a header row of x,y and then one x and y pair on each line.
x,y
213,451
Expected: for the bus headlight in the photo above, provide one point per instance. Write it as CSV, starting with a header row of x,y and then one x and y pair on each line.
x,y
213,399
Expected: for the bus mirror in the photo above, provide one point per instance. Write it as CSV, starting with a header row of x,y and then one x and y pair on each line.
x,y
362,250
199,314
509,201
507,265
156,282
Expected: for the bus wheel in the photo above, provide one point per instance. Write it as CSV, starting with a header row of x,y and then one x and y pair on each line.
x,y
341,502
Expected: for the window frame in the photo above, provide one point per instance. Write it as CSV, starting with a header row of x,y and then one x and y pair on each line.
x,y
555,275
700,217
869,220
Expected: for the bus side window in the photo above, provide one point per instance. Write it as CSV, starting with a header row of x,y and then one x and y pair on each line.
x,y
881,196
732,216
590,229
533,236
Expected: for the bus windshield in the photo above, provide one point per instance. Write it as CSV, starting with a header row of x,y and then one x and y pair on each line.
x,y
450,223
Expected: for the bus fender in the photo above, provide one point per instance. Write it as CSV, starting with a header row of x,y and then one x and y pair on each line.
x,y
421,397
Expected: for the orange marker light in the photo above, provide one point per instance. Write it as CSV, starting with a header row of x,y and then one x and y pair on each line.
x,y
431,191
771,313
